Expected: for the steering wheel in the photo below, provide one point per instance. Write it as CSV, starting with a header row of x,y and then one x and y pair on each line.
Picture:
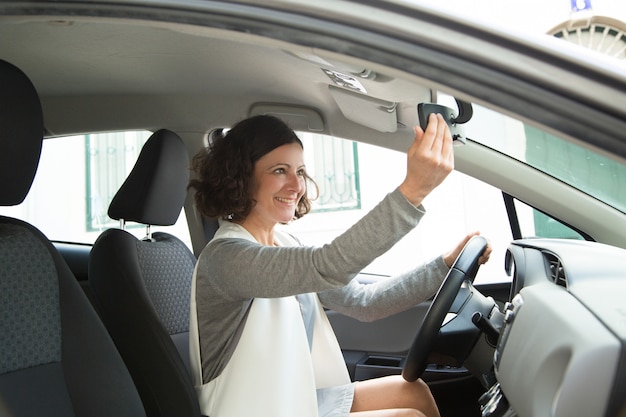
x,y
464,268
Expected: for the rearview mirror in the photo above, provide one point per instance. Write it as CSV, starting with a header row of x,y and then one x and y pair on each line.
x,y
450,116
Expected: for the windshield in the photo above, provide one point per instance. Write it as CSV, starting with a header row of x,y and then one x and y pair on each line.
x,y
584,169
599,25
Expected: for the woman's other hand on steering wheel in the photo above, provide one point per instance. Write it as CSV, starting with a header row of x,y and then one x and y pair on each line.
x,y
451,256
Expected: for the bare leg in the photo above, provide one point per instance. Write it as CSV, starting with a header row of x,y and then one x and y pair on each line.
x,y
393,396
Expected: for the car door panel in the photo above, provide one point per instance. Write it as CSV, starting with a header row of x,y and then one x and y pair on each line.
x,y
373,349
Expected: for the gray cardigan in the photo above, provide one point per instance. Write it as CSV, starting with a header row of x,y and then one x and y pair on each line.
x,y
232,272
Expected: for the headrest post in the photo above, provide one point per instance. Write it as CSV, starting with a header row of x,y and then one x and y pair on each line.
x,y
148,232
122,224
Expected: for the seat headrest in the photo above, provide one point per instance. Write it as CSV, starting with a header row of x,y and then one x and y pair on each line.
x,y
155,190
21,134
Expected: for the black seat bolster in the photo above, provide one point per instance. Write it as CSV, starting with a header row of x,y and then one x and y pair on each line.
x,y
98,381
181,341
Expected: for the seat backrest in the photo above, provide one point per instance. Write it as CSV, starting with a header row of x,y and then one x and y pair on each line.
x,y
143,287
56,356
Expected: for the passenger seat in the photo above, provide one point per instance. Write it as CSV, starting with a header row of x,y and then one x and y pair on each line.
x,y
56,358
142,286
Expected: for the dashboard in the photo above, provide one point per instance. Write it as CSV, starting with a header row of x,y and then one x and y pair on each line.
x,y
561,350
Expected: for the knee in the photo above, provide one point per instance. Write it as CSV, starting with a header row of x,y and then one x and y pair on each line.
x,y
418,388
422,399
420,385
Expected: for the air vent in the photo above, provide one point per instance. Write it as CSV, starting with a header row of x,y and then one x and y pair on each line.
x,y
557,272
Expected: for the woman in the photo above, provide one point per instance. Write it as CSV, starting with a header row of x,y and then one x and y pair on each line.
x,y
260,342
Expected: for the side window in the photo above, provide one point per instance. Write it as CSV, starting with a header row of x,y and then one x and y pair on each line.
x,y
334,164
76,180
534,223
367,173
109,157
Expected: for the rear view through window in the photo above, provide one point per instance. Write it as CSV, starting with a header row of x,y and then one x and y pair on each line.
x,y
76,180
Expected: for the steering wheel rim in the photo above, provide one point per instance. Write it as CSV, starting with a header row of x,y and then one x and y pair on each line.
x,y
464,268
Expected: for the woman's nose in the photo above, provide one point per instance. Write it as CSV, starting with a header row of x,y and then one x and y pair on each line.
x,y
296,182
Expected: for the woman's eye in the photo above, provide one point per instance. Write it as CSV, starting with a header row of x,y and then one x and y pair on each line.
x,y
279,170
301,173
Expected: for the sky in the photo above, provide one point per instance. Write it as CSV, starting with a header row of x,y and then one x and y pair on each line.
x,y
537,16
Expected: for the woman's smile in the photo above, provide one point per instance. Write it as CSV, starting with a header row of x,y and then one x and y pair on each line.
x,y
290,201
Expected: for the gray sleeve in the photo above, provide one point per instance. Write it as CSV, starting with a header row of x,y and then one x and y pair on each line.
x,y
369,302
238,269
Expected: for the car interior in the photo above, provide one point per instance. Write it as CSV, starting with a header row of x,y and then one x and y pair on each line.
x,y
97,261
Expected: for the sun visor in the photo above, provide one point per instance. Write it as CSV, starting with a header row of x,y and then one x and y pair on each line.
x,y
297,117
374,113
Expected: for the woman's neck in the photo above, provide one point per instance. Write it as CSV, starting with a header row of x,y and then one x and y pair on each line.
x,y
262,234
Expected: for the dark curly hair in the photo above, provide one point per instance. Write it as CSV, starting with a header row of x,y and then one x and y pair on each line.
x,y
224,169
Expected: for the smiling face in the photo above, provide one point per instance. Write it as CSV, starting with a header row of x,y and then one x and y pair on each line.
x,y
279,182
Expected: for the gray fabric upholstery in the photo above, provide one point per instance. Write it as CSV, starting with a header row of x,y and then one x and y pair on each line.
x,y
160,261
32,336
143,287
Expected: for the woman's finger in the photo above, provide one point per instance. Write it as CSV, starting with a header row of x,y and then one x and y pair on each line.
x,y
430,134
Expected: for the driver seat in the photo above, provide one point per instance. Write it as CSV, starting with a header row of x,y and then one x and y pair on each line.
x,y
56,356
143,286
